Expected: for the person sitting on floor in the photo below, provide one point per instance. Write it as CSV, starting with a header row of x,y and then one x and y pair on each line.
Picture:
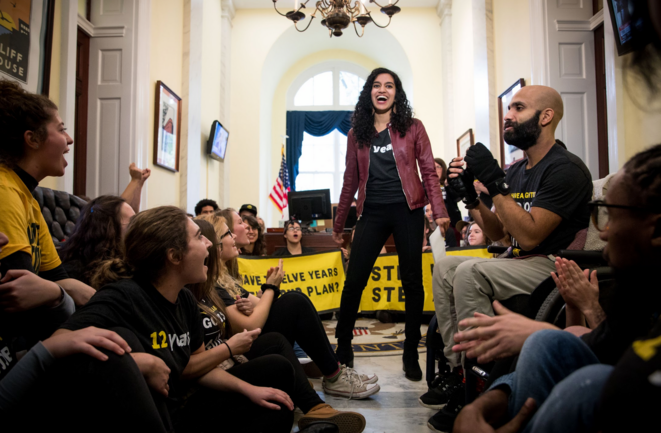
x,y
97,237
255,236
293,315
236,352
559,372
293,235
144,292
542,202
35,142
205,206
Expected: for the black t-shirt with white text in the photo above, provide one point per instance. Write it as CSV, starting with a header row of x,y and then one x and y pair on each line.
x,y
559,183
170,331
383,184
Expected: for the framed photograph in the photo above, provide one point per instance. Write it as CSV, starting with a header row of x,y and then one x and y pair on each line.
x,y
26,41
467,139
508,154
167,126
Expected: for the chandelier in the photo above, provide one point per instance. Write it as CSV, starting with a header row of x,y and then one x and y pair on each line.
x,y
339,14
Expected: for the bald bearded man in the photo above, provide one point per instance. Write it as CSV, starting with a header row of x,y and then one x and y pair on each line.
x,y
541,203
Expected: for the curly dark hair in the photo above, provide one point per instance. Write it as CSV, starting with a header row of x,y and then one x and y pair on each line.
x,y
97,236
21,111
204,203
362,121
259,248
643,176
645,61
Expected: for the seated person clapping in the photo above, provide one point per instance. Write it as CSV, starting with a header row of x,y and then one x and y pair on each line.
x,y
565,374
293,235
293,315
249,357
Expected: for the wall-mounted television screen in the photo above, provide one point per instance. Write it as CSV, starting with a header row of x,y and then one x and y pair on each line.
x,y
217,144
630,26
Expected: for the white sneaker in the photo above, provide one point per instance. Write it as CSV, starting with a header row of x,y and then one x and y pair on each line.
x,y
365,378
349,385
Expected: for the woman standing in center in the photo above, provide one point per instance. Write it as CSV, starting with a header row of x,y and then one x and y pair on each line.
x,y
384,149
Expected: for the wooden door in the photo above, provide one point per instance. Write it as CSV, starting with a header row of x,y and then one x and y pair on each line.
x,y
80,132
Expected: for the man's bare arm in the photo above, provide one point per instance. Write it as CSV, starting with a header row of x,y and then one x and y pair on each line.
x,y
488,221
528,228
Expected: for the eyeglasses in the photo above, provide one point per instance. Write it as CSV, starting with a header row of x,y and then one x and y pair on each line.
x,y
600,216
293,229
228,232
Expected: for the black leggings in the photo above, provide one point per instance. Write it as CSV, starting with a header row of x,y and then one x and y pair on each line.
x,y
294,316
374,227
303,394
80,393
210,410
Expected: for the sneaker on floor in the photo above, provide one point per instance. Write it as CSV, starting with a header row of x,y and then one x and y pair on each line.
x,y
349,385
365,378
441,390
347,422
443,421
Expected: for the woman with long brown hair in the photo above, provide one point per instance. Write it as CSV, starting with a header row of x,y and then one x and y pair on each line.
x,y
218,333
144,292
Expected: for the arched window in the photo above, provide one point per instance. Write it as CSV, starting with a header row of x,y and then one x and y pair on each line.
x,y
327,86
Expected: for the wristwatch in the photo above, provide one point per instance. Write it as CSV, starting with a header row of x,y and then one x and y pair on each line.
x,y
498,187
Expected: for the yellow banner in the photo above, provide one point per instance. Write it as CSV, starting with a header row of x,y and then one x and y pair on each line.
x,y
321,277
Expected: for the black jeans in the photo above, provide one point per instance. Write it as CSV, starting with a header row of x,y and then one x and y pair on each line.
x,y
80,394
294,316
208,410
374,227
273,343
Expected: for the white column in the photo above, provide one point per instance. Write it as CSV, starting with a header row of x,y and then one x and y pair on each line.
x,y
190,159
444,11
67,107
228,13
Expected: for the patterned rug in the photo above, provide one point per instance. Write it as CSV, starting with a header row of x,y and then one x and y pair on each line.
x,y
373,338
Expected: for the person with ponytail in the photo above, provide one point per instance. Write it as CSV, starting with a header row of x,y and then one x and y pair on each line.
x,y
291,314
143,291
385,147
242,355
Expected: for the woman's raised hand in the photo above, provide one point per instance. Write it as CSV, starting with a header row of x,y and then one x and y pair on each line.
x,y
275,275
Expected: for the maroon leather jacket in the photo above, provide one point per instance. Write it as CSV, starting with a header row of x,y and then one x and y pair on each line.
x,y
413,148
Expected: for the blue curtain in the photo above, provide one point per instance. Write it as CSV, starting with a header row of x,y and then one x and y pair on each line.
x,y
317,123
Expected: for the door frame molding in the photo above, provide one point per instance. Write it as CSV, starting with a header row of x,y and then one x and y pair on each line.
x,y
140,81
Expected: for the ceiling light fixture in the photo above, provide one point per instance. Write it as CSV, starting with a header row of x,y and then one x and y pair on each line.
x,y
339,14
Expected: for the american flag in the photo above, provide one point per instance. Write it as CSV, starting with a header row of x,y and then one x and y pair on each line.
x,y
279,194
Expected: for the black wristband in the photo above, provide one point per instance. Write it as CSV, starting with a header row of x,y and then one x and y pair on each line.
x,y
228,348
276,289
472,205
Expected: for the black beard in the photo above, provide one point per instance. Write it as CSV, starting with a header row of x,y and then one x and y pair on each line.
x,y
524,135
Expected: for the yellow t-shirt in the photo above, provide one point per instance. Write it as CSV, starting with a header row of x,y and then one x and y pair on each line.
x,y
21,220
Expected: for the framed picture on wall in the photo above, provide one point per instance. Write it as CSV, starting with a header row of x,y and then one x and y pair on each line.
x,y
508,153
167,126
26,41
467,139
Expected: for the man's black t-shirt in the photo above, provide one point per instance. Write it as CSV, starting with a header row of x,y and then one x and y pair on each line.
x,y
166,330
560,183
383,184
630,399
